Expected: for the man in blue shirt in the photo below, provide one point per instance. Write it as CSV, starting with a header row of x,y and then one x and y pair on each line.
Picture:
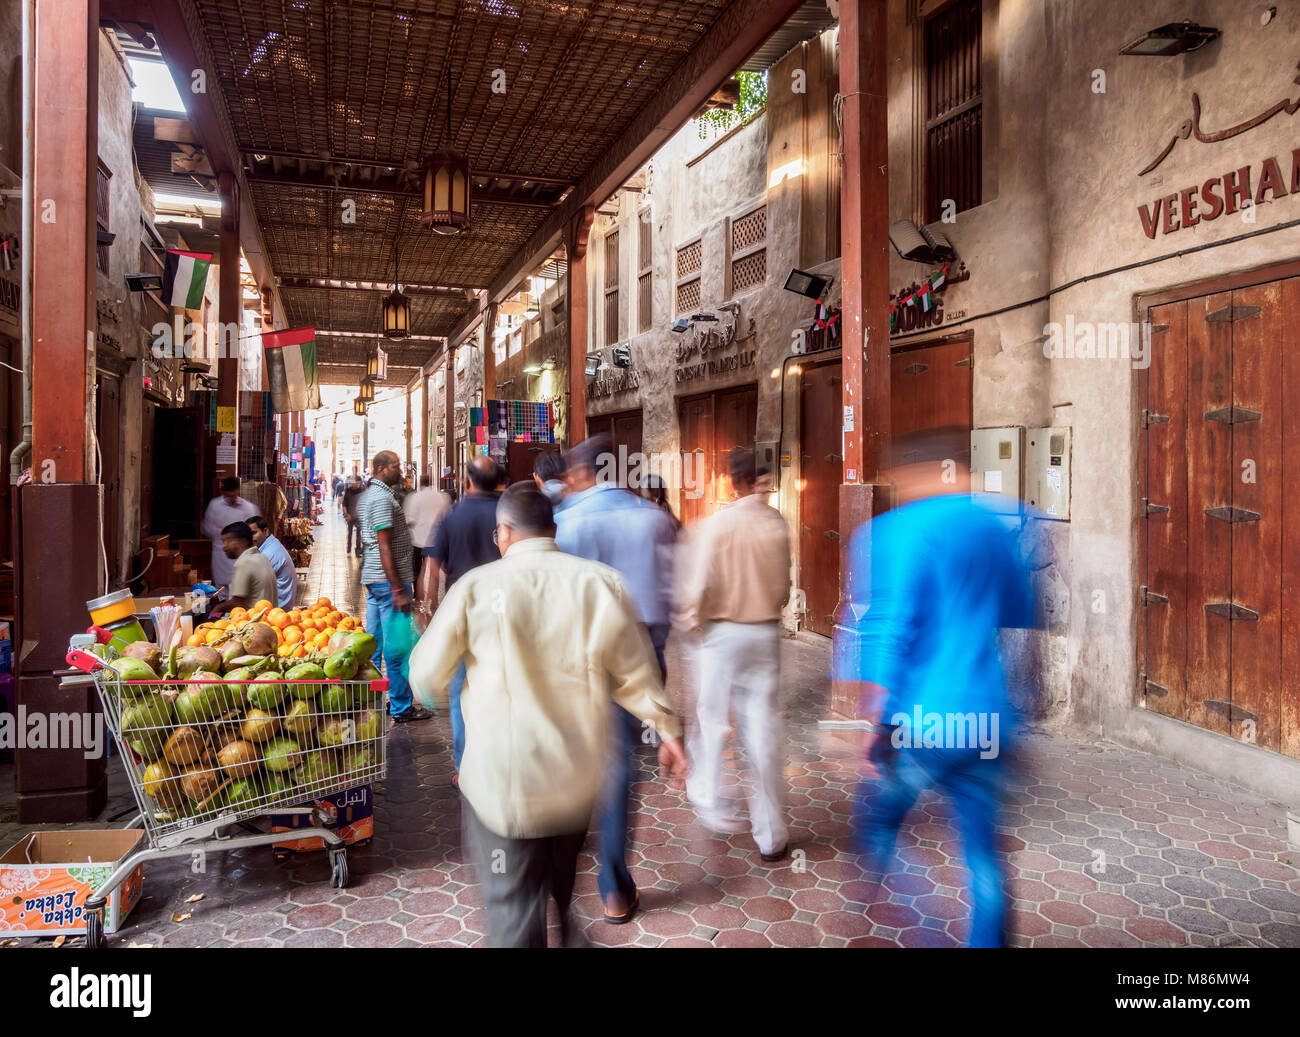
x,y
602,522
930,584
286,576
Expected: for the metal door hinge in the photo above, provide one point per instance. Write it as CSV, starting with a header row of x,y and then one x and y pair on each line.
x,y
1228,314
1230,514
1231,611
1153,509
963,362
1227,709
1157,328
915,368
1150,597
831,534
1149,418
1233,415
1150,687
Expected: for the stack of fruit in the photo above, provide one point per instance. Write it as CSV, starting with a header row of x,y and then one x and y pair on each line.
x,y
299,632
231,721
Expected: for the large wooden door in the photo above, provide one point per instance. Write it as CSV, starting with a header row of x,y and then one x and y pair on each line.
x,y
1220,524
696,423
930,387
821,467
711,427
624,431
735,423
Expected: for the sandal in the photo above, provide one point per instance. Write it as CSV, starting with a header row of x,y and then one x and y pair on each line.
x,y
626,917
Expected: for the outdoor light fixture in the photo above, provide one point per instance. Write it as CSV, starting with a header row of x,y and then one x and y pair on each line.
x,y
919,244
703,317
533,369
548,364
621,356
593,365
377,366
359,406
681,325
397,307
1174,38
803,283
144,282
367,391
446,186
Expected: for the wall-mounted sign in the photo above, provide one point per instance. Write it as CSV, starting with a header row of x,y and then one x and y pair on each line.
x,y
920,304
625,380
712,346
1220,196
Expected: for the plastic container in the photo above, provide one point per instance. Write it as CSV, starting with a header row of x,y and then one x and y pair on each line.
x,y
125,632
111,608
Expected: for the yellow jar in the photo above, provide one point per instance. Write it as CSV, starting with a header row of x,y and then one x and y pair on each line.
x,y
111,608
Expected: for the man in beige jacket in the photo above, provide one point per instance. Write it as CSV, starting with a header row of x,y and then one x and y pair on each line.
x,y
549,641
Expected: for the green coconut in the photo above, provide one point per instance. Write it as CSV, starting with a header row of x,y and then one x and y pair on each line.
x,y
281,754
145,725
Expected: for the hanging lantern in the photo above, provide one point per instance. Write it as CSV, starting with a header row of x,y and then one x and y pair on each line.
x,y
397,316
359,407
446,185
367,391
377,367
446,193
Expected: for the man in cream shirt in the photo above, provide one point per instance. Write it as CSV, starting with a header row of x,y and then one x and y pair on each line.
x,y
549,641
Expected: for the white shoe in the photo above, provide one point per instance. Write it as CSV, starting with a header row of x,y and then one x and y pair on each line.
x,y
721,824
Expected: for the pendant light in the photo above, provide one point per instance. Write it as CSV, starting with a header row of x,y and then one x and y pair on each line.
x,y
446,185
359,407
367,391
397,307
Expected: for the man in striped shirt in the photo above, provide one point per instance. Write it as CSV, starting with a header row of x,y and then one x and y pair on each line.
x,y
386,574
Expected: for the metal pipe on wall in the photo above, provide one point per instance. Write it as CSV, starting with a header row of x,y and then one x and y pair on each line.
x,y
18,456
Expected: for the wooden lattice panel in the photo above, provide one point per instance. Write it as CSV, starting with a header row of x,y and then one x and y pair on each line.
x,y
749,230
688,296
611,318
749,271
690,258
611,259
645,241
644,285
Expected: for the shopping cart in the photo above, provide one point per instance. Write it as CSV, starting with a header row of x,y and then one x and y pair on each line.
x,y
203,755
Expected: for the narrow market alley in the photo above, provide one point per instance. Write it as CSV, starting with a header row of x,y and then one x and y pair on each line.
x,y
1107,847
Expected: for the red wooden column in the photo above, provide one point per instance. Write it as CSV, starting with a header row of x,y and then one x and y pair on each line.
x,y
63,274
864,231
575,246
229,310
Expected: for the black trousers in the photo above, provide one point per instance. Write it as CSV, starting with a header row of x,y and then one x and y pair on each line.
x,y
519,877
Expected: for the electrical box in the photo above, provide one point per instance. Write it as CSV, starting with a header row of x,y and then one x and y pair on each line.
x,y
1047,471
997,464
765,457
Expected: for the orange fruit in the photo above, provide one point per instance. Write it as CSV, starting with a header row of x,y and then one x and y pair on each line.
x,y
347,623
323,603
308,624
295,616
239,614
292,635
321,640
213,636
300,652
335,618
263,604
222,624
277,618
284,650
199,637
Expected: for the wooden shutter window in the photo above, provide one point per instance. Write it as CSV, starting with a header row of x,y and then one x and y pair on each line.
x,y
611,288
953,109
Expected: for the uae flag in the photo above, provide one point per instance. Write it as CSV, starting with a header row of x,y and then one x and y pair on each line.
x,y
184,276
291,369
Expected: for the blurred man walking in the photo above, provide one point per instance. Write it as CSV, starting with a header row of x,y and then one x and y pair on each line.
x,y
602,522
735,588
930,584
552,642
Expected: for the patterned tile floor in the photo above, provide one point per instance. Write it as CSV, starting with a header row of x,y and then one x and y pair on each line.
x,y
1188,860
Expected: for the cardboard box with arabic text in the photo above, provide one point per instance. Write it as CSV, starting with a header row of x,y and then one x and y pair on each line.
x,y
47,877
354,810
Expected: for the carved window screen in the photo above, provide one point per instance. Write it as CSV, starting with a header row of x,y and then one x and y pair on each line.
x,y
748,267
690,261
644,280
611,288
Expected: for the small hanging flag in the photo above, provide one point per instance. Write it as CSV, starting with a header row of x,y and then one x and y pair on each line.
x,y
937,280
925,299
8,253
184,276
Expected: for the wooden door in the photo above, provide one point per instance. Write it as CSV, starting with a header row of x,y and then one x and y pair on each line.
x,y
695,419
931,387
1219,607
820,471
109,431
624,431
735,422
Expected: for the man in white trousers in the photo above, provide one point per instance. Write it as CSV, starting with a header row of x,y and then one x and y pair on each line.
x,y
737,582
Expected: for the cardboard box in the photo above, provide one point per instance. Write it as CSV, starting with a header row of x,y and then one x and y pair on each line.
x,y
355,810
47,877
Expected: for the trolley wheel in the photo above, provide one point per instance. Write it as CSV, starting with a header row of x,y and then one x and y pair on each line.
x,y
94,929
339,867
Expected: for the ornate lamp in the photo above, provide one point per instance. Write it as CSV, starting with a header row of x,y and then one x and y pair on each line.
x,y
367,391
397,307
446,186
359,407
377,366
